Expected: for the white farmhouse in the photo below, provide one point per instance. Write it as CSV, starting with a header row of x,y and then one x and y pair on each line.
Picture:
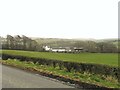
x,y
47,48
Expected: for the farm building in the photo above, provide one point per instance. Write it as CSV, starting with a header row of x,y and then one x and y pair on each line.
x,y
78,49
59,49
63,49
56,49
46,48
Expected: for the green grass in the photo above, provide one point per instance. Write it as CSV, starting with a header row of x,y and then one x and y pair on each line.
x,y
95,58
84,77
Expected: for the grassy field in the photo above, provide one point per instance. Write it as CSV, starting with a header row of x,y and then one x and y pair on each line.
x,y
95,58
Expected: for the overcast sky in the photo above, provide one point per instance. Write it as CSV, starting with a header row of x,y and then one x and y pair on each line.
x,y
60,18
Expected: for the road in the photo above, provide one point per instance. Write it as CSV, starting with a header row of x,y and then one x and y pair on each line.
x,y
16,78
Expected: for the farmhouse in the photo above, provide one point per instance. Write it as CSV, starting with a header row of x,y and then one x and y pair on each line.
x,y
46,48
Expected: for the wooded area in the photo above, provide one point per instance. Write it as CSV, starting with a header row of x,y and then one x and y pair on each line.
x,y
20,43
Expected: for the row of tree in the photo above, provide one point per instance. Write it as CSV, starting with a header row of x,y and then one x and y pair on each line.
x,y
103,47
20,43
25,43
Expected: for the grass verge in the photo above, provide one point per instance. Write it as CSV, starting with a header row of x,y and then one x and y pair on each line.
x,y
85,77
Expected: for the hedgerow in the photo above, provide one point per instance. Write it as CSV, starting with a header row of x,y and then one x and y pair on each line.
x,y
77,67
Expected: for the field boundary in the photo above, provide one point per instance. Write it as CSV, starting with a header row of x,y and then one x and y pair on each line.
x,y
77,67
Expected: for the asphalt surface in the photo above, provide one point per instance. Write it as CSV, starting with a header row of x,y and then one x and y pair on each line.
x,y
16,78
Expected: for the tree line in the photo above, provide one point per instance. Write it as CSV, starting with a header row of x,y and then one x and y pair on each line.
x,y
98,47
20,43
25,43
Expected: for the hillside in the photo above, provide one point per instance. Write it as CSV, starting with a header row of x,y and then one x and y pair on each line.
x,y
68,42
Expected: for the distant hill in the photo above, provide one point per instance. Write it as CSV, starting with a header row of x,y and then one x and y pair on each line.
x,y
70,42
55,41
113,41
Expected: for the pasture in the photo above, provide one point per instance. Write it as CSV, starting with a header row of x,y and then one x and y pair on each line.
x,y
110,59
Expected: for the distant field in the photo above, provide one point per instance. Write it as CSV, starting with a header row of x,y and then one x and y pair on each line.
x,y
95,58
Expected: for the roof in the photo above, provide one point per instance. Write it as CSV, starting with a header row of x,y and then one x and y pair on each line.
x,y
58,48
